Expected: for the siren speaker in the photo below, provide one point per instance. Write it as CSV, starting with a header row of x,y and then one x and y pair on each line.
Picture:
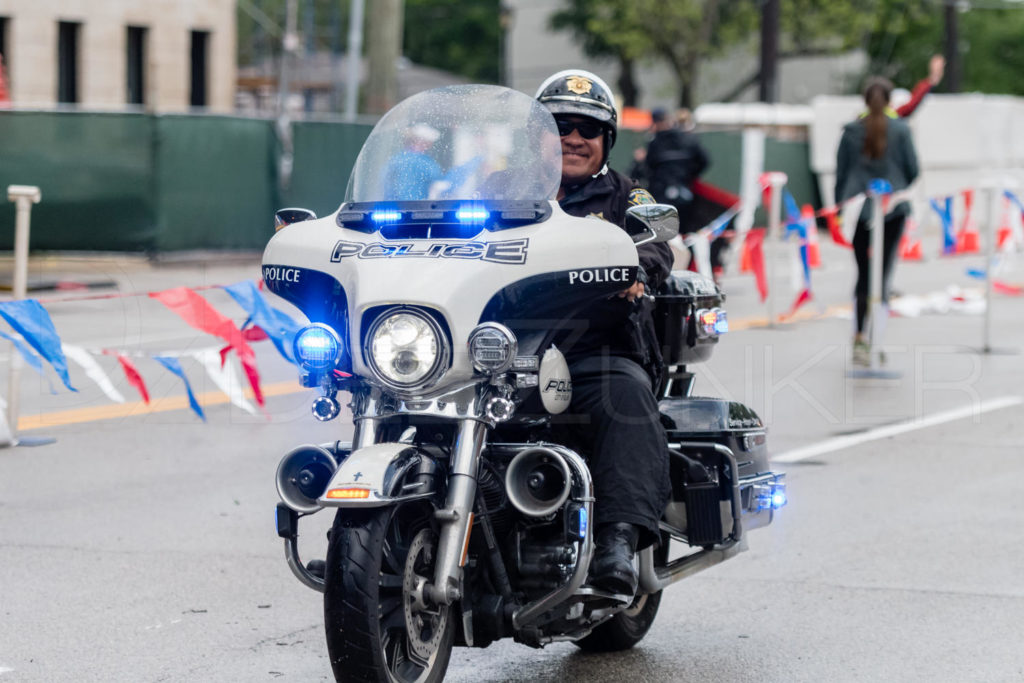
x,y
303,476
538,481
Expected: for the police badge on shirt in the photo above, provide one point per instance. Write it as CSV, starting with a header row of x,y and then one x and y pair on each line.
x,y
639,196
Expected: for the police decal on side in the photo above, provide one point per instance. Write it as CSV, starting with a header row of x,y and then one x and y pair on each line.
x,y
281,274
590,276
555,382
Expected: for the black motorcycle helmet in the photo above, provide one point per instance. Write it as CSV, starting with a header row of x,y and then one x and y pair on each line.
x,y
579,92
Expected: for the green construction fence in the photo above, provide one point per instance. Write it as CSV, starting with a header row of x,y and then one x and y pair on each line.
x,y
161,183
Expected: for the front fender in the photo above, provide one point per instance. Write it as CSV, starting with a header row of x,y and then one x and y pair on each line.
x,y
381,474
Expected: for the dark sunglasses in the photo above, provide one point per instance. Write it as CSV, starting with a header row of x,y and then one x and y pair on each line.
x,y
588,130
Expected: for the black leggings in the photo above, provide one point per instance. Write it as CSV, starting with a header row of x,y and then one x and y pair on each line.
x,y
861,247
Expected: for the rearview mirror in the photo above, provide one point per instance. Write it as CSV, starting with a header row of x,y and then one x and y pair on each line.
x,y
283,217
647,223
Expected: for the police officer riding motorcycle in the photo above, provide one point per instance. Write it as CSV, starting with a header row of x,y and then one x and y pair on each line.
x,y
612,391
509,454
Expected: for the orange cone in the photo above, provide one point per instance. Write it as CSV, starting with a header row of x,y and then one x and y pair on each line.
x,y
811,223
910,248
968,241
1005,232
745,263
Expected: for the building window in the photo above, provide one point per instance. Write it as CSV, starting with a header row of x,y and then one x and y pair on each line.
x,y
200,46
136,62
67,61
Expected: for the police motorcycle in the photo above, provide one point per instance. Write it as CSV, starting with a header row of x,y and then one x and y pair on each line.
x,y
457,519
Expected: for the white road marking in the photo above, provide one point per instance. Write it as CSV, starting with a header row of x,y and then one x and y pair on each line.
x,y
5,669
841,442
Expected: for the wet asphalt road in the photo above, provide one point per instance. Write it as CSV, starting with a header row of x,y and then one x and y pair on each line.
x,y
142,548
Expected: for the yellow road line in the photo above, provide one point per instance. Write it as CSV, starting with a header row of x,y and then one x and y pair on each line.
x,y
136,408
212,398
799,316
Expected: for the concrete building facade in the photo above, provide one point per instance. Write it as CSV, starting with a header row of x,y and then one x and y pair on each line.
x,y
158,55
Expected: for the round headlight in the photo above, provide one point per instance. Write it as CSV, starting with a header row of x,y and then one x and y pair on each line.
x,y
405,348
492,348
317,347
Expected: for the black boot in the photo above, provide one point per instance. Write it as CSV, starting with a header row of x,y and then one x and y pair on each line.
x,y
612,567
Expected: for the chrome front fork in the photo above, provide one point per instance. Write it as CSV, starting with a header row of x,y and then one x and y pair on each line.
x,y
457,516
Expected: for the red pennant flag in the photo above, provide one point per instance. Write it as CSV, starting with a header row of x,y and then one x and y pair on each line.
x,y
1003,288
831,215
197,312
254,333
968,210
801,299
754,242
133,376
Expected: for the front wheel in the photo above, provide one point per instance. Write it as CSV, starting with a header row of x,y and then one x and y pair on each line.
x,y
377,630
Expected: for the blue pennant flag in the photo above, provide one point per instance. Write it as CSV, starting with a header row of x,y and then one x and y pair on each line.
x,y
31,321
792,211
31,358
1015,199
278,325
945,212
174,366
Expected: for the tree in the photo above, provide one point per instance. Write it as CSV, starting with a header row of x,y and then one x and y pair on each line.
x,y
461,36
992,52
684,33
261,25
602,30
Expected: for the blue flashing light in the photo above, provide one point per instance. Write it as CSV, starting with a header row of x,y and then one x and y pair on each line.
x,y
721,323
583,522
316,348
386,216
472,214
778,497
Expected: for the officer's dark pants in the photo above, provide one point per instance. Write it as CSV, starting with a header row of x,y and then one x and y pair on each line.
x,y
613,421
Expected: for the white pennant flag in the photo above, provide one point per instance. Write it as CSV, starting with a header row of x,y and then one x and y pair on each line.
x,y
850,214
93,371
225,378
698,241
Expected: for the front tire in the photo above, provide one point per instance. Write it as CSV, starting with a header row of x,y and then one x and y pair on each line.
x,y
376,630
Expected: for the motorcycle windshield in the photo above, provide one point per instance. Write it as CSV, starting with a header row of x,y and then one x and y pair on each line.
x,y
464,142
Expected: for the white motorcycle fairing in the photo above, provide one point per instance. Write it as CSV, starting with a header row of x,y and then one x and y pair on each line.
x,y
526,277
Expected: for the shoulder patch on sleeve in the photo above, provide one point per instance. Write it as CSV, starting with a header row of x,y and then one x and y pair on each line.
x,y
640,196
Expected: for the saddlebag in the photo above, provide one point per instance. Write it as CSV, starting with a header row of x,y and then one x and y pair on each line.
x,y
718,421
715,447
